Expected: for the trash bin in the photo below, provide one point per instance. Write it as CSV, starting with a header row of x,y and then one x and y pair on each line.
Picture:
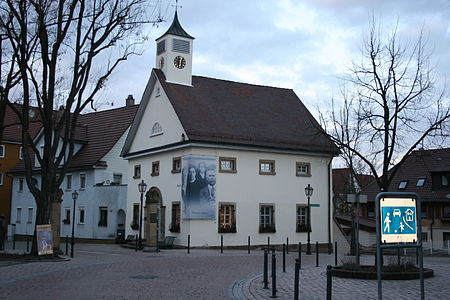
x,y
120,236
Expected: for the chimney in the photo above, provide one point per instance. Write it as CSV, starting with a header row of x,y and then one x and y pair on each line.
x,y
129,101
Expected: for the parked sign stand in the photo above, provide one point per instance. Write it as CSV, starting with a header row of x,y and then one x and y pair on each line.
x,y
398,226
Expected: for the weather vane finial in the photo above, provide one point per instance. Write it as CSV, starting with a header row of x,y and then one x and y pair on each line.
x,y
176,6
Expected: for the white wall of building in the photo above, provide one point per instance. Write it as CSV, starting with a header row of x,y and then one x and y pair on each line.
x,y
247,188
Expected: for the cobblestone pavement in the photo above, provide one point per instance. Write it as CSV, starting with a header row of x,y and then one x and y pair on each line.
x,y
112,272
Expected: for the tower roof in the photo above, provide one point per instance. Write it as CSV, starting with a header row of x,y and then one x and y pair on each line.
x,y
176,29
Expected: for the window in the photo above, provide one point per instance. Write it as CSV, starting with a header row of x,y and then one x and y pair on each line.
x,y
135,223
421,181
302,218
117,178
267,221
156,129
402,185
103,217
1,178
444,180
155,168
20,184
82,181
66,221
227,164
81,214
158,89
266,167
161,47
68,182
19,215
175,224
21,152
440,180
176,165
227,218
30,215
423,211
137,171
2,151
303,169
180,46
371,210
446,211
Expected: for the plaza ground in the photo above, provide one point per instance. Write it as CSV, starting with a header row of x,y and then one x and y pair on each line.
x,y
108,271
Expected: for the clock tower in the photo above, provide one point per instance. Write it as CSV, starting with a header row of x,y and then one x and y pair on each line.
x,y
174,54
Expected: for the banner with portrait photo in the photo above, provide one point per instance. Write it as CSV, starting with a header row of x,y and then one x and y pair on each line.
x,y
44,239
198,187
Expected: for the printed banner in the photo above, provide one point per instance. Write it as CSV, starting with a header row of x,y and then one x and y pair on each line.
x,y
44,239
198,187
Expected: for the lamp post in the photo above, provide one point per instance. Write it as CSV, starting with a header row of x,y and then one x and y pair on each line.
x,y
308,192
74,197
142,186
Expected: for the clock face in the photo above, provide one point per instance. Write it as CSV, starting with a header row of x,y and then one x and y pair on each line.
x,y
179,62
161,63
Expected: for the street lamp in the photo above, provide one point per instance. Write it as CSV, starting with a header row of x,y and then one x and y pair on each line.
x,y
142,186
74,197
308,192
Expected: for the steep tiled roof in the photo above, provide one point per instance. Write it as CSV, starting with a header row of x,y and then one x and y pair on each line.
x,y
419,164
341,180
13,129
221,111
99,132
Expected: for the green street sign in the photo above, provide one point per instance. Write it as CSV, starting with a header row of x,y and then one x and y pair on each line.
x,y
314,205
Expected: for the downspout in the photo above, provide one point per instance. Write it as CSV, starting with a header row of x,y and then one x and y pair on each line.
x,y
329,205
431,226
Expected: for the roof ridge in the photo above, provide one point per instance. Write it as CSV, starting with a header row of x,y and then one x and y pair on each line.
x,y
240,82
109,110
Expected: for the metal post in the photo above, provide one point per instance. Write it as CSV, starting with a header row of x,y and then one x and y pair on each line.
x,y
422,286
221,243
317,254
157,229
329,282
431,246
300,254
274,275
335,253
248,247
448,247
140,221
296,279
73,226
268,242
14,241
266,271
28,244
67,244
308,245
189,244
137,242
398,256
287,245
284,258
417,256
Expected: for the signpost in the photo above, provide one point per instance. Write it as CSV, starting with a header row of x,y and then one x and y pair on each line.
x,y
398,226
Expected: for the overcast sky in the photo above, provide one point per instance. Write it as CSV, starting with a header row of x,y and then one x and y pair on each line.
x,y
303,45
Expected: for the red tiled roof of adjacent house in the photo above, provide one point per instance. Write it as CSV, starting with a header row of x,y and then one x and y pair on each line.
x,y
341,180
13,128
419,164
221,111
99,132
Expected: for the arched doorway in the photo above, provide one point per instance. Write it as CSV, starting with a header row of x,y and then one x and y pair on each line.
x,y
155,217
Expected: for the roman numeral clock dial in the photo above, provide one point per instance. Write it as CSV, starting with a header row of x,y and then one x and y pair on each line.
x,y
179,62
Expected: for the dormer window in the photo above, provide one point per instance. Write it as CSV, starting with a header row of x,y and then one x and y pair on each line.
x,y
156,129
420,182
180,46
402,185
161,47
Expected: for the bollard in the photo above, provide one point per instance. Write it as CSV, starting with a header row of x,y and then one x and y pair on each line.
x,y
28,244
284,258
268,242
287,245
274,275
67,245
137,240
296,279
266,271
14,241
221,244
300,254
335,253
398,256
448,247
189,243
329,282
248,247
417,255
317,254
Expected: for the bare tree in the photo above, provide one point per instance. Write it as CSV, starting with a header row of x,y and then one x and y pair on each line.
x,y
61,53
391,105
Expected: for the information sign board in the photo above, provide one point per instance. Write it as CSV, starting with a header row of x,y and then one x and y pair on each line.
x,y
44,239
398,220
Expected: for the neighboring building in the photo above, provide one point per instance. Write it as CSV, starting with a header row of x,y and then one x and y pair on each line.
x,y
96,172
427,173
11,154
224,158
